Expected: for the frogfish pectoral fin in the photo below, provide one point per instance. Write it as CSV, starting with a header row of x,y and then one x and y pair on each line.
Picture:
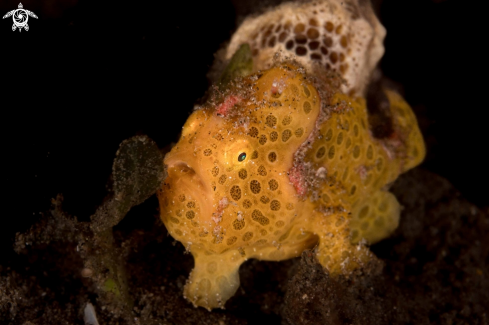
x,y
214,279
375,218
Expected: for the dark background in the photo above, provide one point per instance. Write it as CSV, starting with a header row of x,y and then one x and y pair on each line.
x,y
89,74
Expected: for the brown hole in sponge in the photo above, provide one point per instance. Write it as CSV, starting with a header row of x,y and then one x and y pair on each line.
x,y
301,51
254,154
328,41
316,57
215,171
299,28
264,199
301,39
263,139
324,50
329,26
307,107
333,57
312,33
313,45
289,45
313,22
271,42
282,36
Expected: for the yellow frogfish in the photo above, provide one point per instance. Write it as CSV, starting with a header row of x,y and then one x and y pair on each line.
x,y
284,159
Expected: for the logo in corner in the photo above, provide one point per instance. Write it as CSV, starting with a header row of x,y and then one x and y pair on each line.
x,y
20,17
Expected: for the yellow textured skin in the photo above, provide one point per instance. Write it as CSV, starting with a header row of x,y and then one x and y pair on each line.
x,y
312,175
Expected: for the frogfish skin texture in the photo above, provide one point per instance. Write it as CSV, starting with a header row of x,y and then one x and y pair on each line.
x,y
284,160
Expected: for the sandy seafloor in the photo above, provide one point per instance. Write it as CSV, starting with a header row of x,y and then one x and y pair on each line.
x,y
90,74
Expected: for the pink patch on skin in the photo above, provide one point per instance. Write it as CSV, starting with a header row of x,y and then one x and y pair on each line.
x,y
392,143
394,140
274,89
340,107
390,155
223,204
296,178
362,171
278,86
228,103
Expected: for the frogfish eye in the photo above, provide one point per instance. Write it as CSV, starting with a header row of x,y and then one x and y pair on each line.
x,y
242,156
